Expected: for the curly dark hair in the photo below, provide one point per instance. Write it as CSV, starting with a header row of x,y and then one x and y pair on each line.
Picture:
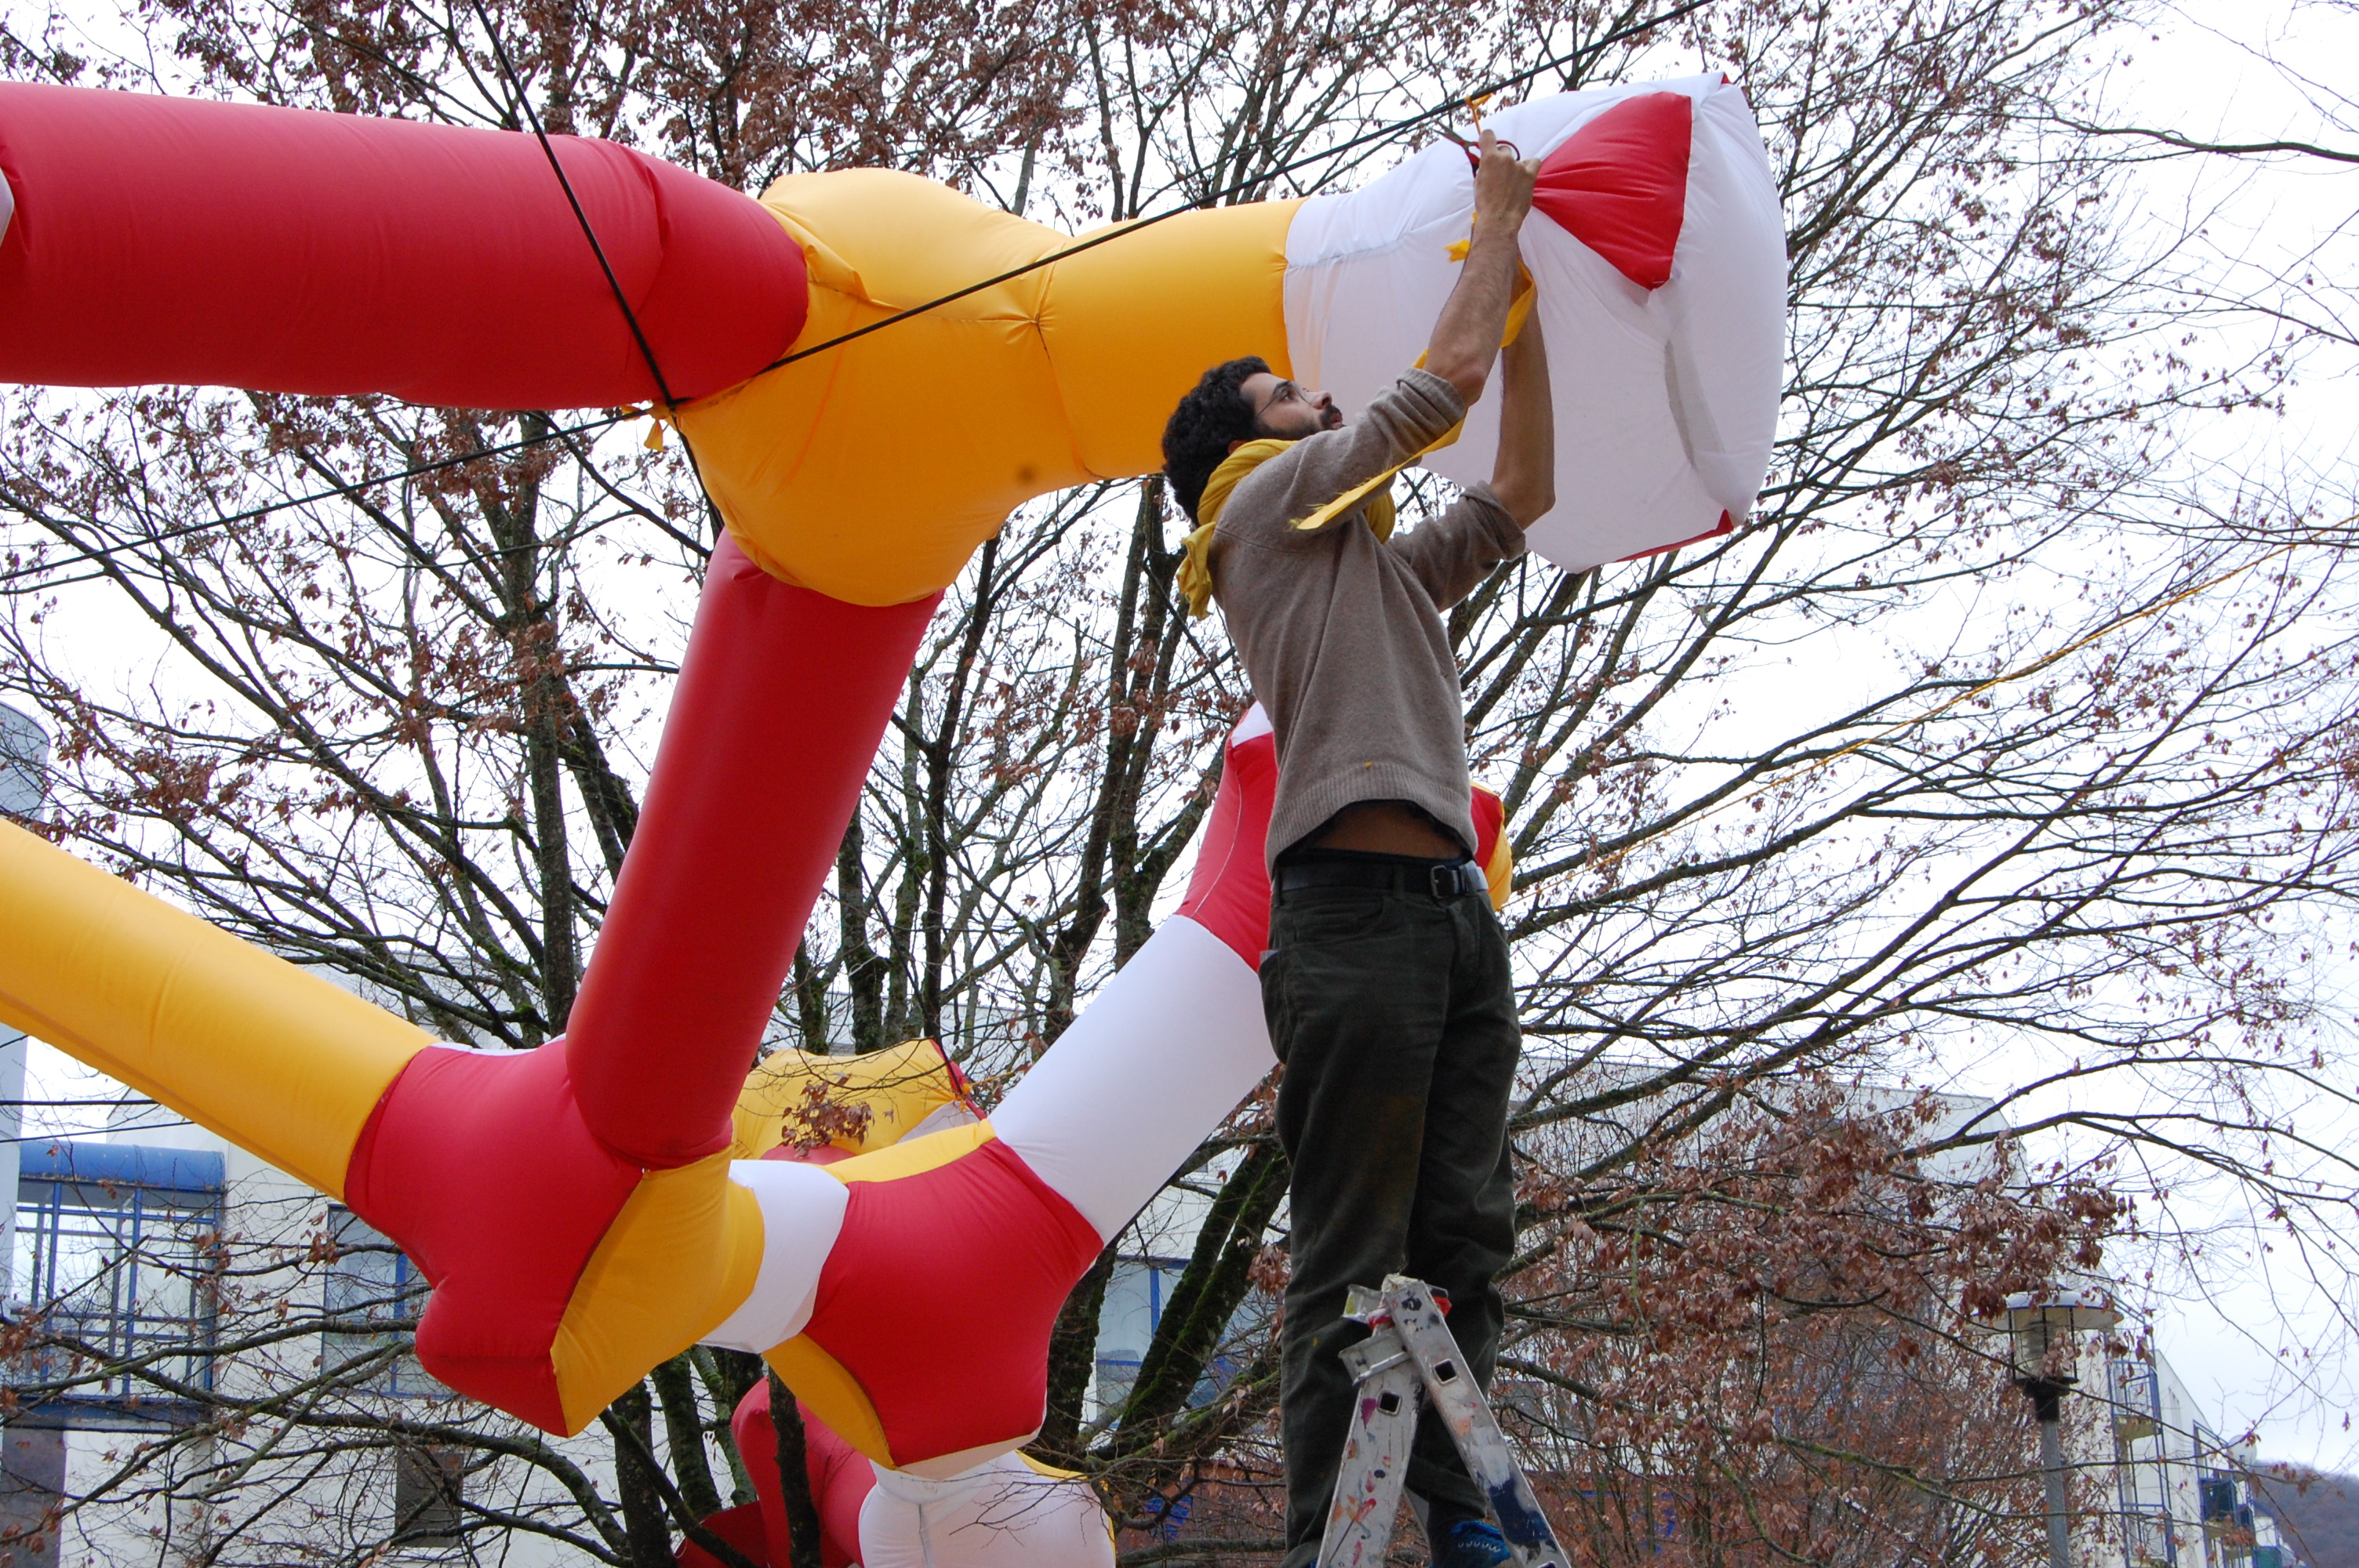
x,y
1214,414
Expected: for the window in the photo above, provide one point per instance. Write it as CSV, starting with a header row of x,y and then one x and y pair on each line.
x,y
426,1489
1126,1324
372,1281
1133,1310
117,1249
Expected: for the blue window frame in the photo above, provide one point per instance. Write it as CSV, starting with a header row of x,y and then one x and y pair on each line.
x,y
371,1282
117,1248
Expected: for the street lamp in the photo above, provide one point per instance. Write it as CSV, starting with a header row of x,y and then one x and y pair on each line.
x,y
2043,1354
24,774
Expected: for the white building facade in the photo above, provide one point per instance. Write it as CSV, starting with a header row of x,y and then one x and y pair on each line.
x,y
2181,1495
157,1241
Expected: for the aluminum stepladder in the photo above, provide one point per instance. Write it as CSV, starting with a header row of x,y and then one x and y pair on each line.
x,y
1410,1357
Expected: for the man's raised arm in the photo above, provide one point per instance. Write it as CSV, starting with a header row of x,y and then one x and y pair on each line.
x,y
1466,543
1466,335
1523,476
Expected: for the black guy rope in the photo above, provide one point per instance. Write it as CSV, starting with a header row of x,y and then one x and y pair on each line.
x,y
517,99
352,491
1393,128
512,88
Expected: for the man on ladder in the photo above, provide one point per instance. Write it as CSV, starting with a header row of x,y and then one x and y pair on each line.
x,y
1389,991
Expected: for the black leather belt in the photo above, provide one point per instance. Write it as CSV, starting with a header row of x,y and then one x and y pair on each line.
x,y
1443,880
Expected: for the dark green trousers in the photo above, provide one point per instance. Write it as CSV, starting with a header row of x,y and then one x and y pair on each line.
x,y
1395,1015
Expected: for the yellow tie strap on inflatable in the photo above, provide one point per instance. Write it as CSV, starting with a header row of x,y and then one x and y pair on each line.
x,y
657,417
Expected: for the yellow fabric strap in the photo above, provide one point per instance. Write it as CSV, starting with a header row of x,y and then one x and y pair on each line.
x,y
659,416
1195,575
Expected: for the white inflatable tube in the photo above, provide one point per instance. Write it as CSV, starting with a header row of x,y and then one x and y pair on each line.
x,y
1005,1513
1179,1031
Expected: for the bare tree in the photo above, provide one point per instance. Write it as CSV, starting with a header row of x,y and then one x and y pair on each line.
x,y
2002,734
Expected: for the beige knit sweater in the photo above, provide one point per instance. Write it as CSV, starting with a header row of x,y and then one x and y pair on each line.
x,y
1342,633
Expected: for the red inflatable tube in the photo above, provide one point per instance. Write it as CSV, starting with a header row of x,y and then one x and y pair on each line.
x,y
178,240
841,1481
1229,895
781,700
1619,184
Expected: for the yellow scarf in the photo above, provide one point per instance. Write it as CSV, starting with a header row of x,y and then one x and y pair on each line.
x,y
1195,578
1195,575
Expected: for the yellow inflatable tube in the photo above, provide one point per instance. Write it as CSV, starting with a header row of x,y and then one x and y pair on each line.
x,y
898,1087
927,434
271,1056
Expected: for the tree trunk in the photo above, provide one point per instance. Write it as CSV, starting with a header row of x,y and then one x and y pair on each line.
x,y
794,1478
642,1498
1072,1355
863,976
1218,1275
728,1375
684,1434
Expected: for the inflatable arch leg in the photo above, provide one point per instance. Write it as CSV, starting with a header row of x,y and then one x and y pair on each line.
x,y
283,250
570,1204
1015,1209
1006,1511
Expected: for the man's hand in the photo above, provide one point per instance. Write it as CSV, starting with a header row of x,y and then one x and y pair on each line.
x,y
1503,187
1523,474
1466,337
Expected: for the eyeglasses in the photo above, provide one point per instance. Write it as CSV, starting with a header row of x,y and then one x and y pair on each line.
x,y
1285,391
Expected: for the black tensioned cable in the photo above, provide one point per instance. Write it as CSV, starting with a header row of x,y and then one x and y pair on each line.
x,y
512,86
415,470
1382,132
520,99
1393,128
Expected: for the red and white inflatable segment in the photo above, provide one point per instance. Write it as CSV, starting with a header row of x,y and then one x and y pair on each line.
x,y
1659,256
1180,1026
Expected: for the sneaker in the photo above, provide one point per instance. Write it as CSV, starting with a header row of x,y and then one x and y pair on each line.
x,y
1473,1543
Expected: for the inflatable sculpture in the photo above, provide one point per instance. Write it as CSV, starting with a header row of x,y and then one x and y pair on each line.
x,y
164,240
583,1211
1009,1512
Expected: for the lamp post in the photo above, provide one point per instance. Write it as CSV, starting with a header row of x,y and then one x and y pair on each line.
x,y
2043,1354
24,768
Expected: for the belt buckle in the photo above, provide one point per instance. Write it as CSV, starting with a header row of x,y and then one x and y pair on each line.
x,y
1443,882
